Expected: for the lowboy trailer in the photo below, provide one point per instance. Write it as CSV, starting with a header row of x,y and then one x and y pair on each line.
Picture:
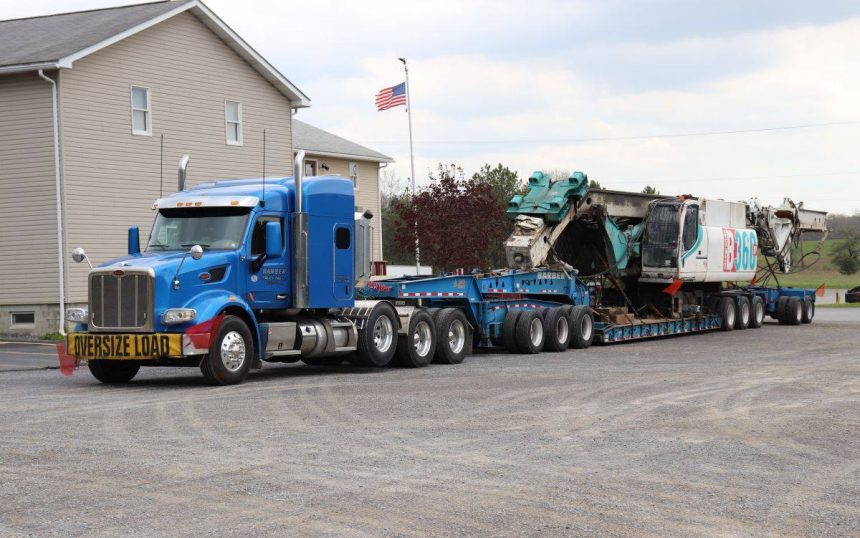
x,y
240,272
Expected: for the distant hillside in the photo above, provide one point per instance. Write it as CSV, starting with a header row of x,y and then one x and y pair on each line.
x,y
821,272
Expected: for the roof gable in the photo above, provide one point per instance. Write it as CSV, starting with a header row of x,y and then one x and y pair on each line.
x,y
57,41
315,140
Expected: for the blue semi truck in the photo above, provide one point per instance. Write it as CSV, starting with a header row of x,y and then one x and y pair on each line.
x,y
238,272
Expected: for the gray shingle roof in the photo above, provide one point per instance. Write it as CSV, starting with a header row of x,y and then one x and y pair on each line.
x,y
52,37
315,140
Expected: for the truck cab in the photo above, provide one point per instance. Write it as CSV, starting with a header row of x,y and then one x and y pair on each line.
x,y
233,272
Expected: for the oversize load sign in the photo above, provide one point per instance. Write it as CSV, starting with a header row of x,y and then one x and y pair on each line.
x,y
124,346
740,250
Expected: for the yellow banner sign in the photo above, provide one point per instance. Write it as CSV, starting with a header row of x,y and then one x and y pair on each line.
x,y
124,346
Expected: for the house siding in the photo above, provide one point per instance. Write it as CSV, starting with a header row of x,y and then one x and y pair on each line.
x,y
28,224
367,194
112,176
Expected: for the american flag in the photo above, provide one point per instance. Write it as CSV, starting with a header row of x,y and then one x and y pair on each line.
x,y
391,97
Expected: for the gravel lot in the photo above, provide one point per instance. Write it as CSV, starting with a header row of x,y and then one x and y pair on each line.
x,y
747,433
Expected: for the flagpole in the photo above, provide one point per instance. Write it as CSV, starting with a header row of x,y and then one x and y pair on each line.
x,y
412,163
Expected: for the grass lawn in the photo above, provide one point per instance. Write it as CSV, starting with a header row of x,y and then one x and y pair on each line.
x,y
840,305
822,272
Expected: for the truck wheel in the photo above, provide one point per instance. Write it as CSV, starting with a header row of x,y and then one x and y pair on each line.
x,y
530,334
728,311
509,330
419,345
793,311
808,310
230,354
434,312
756,312
453,339
780,309
581,327
378,341
743,311
113,372
557,330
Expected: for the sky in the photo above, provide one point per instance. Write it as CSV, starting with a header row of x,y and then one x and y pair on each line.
x,y
725,99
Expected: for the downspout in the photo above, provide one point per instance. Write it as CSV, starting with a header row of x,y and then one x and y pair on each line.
x,y
60,259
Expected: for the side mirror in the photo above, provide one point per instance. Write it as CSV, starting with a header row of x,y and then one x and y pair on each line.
x,y
79,255
196,252
274,248
133,241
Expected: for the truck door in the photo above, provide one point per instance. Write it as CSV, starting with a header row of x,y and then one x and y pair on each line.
x,y
343,262
269,280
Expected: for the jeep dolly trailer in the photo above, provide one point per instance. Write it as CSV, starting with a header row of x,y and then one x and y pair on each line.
x,y
651,259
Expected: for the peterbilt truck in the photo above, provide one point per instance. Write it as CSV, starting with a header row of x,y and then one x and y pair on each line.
x,y
240,272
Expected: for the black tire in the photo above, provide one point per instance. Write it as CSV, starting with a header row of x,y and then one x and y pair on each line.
x,y
113,372
808,310
530,332
744,313
509,330
779,314
434,312
581,327
375,348
417,348
453,337
729,313
793,311
557,330
234,337
756,312
542,312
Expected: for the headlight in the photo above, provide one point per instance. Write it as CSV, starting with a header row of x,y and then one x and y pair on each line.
x,y
178,315
77,315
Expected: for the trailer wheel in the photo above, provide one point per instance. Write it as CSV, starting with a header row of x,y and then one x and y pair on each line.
x,y
808,310
454,339
793,311
779,314
581,327
377,342
743,311
509,330
557,329
417,348
542,312
530,333
728,311
756,312
434,312
230,354
113,372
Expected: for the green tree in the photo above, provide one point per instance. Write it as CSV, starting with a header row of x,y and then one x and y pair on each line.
x,y
846,255
594,184
650,190
504,184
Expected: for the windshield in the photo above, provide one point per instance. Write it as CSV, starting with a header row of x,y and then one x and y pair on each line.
x,y
660,244
216,228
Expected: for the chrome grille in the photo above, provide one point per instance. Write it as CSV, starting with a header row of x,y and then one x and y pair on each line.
x,y
121,299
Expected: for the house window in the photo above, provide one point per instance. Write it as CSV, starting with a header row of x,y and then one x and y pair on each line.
x,y
310,167
233,119
141,114
23,319
353,174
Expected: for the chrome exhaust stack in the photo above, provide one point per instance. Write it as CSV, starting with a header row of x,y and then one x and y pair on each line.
x,y
183,171
300,237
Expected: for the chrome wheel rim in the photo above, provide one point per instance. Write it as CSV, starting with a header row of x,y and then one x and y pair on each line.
x,y
383,334
730,316
233,351
561,329
536,331
798,312
422,338
586,327
759,312
456,336
745,313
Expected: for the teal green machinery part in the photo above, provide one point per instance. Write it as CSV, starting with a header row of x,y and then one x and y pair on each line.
x,y
624,243
547,199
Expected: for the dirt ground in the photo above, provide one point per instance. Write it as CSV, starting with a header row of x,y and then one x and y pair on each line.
x,y
747,433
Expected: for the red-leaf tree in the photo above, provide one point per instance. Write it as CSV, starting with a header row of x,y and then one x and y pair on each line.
x,y
457,222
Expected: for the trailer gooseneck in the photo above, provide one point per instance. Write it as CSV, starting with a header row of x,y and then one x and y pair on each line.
x,y
239,272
